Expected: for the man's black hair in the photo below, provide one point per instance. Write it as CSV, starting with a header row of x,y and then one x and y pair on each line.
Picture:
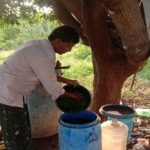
x,y
64,33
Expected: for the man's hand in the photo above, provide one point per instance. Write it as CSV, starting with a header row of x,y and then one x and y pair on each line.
x,y
67,81
59,66
74,95
72,82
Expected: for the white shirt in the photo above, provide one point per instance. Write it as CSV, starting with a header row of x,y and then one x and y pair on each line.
x,y
32,64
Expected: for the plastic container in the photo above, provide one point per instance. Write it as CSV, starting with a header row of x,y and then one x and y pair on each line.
x,y
72,105
43,113
79,131
143,112
114,135
122,113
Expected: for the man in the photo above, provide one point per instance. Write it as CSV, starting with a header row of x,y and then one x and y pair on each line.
x,y
22,72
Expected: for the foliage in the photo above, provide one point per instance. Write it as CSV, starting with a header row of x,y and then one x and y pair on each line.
x,y
4,55
12,36
12,11
80,62
145,72
82,53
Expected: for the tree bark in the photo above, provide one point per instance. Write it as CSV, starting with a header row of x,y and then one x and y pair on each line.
x,y
127,17
111,67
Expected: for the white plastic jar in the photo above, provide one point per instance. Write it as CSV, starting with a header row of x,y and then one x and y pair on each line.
x,y
114,135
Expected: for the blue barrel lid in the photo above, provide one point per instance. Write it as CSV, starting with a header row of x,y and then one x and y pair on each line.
x,y
83,119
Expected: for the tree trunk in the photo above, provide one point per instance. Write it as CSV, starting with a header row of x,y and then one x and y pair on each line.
x,y
110,63
107,85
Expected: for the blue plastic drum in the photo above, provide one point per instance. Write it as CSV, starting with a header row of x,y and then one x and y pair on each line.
x,y
79,131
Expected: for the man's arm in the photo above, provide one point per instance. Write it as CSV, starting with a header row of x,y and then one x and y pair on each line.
x,y
66,81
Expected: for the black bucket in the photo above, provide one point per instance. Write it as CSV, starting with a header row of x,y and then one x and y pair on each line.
x,y
71,105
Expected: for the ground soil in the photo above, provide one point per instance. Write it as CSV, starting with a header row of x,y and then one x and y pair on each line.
x,y
140,137
138,97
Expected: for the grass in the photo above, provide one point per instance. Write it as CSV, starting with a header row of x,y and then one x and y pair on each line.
x,y
4,55
140,92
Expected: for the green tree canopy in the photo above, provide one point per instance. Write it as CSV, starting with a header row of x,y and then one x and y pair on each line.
x,y
11,11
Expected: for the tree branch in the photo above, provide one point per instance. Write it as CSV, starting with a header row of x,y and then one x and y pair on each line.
x,y
128,20
74,6
67,18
